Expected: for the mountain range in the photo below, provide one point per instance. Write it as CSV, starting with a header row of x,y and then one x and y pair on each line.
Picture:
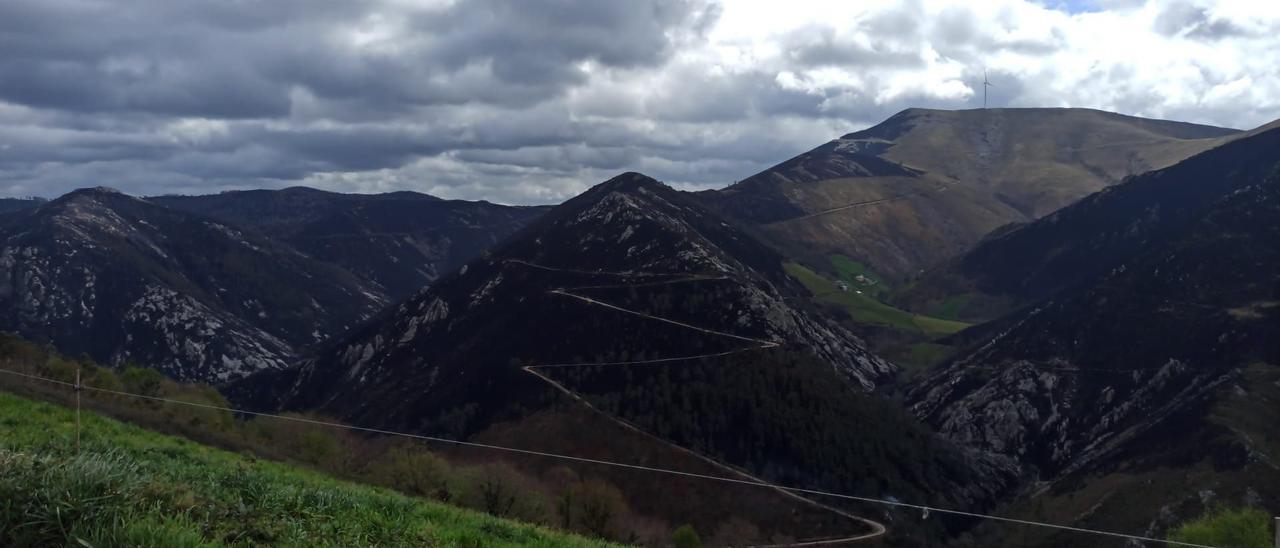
x,y
131,280
400,241
925,185
1120,275
1153,350
630,270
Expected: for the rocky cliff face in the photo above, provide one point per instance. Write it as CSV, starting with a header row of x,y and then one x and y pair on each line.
x,y
629,271
125,280
1069,383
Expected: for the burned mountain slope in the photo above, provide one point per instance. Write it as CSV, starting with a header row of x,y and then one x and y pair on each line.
x,y
125,280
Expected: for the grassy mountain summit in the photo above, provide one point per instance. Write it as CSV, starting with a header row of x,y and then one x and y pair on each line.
x,y
1028,263
926,184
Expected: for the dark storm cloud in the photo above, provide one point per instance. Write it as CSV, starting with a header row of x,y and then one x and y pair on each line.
x,y
241,59
275,71
511,100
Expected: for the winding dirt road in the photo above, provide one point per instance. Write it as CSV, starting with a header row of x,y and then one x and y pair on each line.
x,y
877,529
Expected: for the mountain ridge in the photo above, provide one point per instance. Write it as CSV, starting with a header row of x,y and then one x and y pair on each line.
x,y
124,280
925,184
1015,266
590,230
1154,358
400,241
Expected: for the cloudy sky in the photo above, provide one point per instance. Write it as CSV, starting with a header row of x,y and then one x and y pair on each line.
x,y
531,101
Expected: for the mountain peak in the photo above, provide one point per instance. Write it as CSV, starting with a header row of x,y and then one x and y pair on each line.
x,y
95,191
101,190
627,182
102,195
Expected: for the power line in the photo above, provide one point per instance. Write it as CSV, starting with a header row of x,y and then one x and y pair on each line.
x,y
877,529
585,460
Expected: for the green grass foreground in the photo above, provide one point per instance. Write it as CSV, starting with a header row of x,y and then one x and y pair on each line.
x,y
133,487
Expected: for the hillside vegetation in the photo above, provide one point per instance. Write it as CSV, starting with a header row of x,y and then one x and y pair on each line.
x,y
566,499
131,487
1243,528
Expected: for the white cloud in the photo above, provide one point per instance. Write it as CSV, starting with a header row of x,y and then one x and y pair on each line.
x,y
489,100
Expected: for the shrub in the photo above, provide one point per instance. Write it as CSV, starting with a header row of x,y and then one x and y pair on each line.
x,y
411,469
500,490
686,537
1229,528
597,504
140,380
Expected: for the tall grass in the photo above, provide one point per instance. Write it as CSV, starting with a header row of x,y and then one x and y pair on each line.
x,y
132,487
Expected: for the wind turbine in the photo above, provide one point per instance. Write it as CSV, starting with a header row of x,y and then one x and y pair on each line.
x,y
985,84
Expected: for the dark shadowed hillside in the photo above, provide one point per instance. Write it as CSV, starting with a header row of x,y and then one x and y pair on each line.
x,y
1163,363
126,280
629,280
532,301
10,205
401,241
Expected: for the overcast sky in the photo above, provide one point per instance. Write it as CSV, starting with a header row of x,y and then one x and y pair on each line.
x,y
531,101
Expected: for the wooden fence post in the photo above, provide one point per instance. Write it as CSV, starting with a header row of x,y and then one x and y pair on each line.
x,y
77,388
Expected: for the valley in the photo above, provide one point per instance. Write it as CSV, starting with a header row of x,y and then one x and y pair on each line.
x,y
644,274
660,339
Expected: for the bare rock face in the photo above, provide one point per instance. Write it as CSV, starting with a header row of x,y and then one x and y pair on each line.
x,y
1052,418
128,281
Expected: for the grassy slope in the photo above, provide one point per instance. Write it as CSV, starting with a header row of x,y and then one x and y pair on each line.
x,y
131,486
981,170
849,269
866,309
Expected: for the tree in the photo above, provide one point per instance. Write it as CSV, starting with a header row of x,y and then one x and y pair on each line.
x,y
686,537
500,490
597,505
565,480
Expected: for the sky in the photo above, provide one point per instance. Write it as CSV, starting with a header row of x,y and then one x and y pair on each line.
x,y
533,101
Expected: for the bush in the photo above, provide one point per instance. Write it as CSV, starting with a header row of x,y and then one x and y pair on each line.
x,y
1238,528
410,468
686,537
500,490
139,380
597,504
